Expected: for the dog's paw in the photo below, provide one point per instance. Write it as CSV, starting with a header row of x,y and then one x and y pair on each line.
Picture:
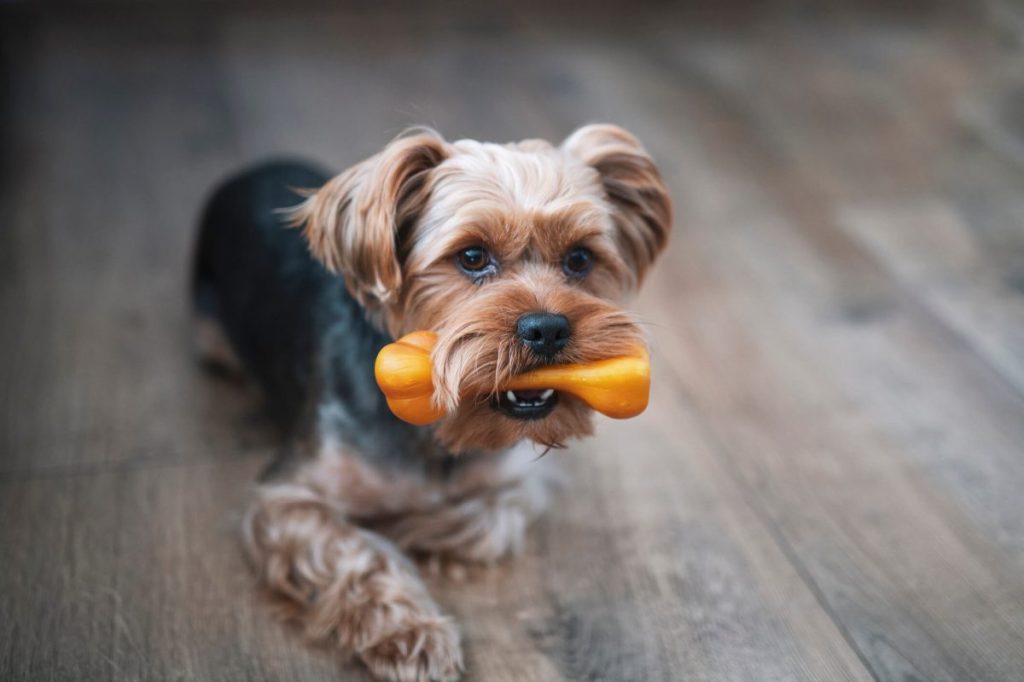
x,y
426,651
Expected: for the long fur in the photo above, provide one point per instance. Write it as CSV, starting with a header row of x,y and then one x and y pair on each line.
x,y
305,310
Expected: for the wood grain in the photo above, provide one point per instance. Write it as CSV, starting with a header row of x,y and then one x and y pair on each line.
x,y
826,485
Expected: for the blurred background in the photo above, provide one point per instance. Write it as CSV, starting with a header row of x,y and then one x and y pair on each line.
x,y
828,484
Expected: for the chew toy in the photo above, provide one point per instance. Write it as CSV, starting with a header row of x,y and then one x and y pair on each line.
x,y
615,387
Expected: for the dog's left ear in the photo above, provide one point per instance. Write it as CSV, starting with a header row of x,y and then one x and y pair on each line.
x,y
633,184
354,222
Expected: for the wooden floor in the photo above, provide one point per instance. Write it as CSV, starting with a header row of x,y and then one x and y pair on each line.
x,y
829,484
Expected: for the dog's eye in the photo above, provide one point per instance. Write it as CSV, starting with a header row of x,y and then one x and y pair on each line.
x,y
474,260
578,262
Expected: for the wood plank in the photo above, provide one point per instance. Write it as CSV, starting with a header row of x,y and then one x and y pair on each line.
x,y
120,135
899,373
959,359
914,188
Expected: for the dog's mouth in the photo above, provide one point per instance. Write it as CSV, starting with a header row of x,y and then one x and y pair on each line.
x,y
527,404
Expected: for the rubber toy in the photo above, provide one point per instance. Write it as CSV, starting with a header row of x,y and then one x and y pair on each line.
x,y
616,387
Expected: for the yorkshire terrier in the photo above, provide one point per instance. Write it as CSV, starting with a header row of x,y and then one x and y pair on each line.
x,y
516,255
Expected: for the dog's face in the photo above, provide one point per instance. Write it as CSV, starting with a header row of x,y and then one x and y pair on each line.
x,y
517,256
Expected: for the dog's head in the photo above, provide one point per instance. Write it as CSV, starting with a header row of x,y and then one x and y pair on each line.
x,y
517,255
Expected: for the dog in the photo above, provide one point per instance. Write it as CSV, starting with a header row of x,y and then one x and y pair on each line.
x,y
517,255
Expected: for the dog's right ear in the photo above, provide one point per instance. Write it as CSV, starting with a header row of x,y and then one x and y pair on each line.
x,y
353,222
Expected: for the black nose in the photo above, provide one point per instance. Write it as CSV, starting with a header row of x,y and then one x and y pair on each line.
x,y
544,333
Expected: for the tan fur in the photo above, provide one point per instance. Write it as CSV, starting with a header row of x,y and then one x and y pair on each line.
x,y
319,542
392,226
352,223
212,345
350,586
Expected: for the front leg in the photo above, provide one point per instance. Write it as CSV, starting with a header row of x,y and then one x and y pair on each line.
x,y
350,585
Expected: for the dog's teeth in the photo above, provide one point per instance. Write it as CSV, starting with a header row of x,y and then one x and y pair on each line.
x,y
511,395
548,392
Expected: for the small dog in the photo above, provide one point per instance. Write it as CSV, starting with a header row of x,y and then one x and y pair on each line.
x,y
516,255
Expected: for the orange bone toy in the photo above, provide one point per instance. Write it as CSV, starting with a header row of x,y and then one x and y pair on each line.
x,y
615,387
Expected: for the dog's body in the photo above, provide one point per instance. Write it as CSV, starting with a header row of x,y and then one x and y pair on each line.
x,y
292,324
516,255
